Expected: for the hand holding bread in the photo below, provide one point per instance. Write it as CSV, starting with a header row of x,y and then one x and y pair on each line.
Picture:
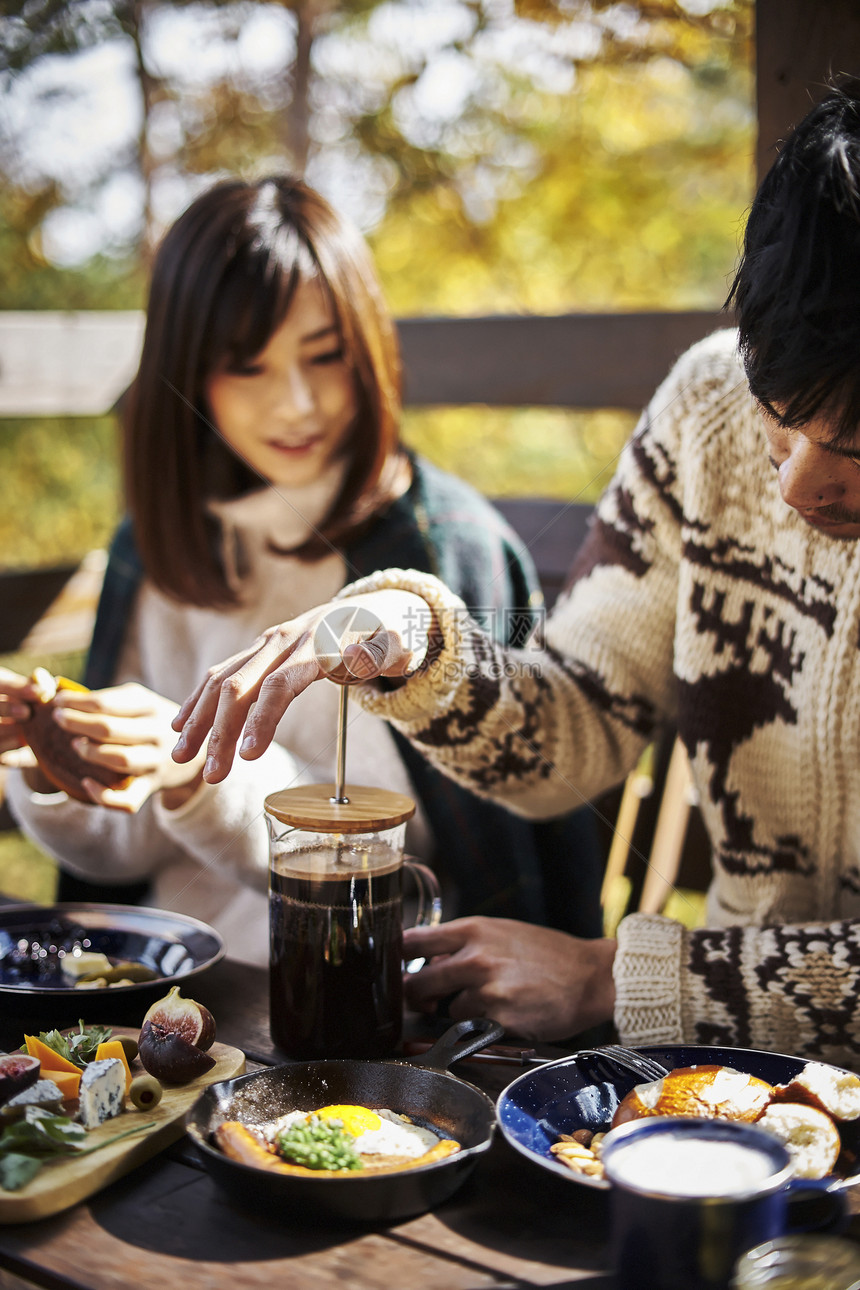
x,y
106,747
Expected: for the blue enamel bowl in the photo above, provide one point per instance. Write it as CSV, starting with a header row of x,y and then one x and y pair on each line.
x,y
562,1097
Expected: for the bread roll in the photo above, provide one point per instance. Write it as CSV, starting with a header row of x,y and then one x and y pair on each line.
x,y
834,1091
810,1135
52,746
708,1092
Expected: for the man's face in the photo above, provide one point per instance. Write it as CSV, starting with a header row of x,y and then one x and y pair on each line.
x,y
818,479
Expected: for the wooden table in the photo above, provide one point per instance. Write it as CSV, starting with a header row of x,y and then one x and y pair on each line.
x,y
167,1226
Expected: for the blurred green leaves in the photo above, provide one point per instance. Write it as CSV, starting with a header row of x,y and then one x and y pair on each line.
x,y
538,452
59,490
504,156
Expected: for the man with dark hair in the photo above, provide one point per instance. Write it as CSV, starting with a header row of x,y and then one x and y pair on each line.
x,y
798,285
719,592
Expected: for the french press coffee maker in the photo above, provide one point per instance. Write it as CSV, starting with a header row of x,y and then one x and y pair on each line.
x,y
336,915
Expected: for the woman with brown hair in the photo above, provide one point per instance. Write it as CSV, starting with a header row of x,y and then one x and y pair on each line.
x,y
264,471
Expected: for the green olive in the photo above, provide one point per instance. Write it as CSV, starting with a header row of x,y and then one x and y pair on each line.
x,y
145,1092
129,1046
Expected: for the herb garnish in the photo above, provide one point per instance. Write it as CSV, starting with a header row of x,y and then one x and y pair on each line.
x,y
81,1046
40,1136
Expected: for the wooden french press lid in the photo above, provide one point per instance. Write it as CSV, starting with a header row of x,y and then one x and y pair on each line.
x,y
314,806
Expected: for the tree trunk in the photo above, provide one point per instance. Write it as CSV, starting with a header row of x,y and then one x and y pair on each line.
x,y
297,117
134,26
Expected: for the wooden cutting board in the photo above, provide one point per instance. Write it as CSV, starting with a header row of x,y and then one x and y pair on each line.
x,y
63,1182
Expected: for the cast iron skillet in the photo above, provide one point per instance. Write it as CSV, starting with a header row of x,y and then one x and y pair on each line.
x,y
423,1089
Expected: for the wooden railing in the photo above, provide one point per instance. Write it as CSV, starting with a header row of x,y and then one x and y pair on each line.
x,y
79,364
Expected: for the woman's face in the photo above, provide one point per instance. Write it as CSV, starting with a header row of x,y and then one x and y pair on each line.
x,y
288,413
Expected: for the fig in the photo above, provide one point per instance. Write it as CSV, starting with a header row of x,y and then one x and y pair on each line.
x,y
184,1017
174,1039
168,1056
17,1072
52,746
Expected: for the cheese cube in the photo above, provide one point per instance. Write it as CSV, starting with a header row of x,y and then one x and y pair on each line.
x,y
76,965
102,1092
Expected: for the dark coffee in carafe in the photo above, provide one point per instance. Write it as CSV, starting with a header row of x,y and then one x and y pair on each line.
x,y
336,950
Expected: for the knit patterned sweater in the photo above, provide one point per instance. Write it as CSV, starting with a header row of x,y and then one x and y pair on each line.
x,y
699,599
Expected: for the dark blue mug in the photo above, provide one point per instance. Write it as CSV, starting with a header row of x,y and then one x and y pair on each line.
x,y
690,1196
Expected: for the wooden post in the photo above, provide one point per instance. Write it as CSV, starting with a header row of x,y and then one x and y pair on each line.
x,y
799,45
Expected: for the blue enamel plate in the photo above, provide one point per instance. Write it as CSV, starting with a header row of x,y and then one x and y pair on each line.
x,y
561,1097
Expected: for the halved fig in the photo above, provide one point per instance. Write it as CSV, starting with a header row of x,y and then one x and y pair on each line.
x,y
194,1023
169,1057
52,746
17,1072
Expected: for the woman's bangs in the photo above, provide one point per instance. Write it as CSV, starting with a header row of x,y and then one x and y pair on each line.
x,y
254,299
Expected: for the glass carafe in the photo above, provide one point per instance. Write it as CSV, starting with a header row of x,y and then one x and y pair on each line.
x,y
336,919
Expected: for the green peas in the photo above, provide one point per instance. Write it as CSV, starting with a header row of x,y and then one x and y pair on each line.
x,y
319,1144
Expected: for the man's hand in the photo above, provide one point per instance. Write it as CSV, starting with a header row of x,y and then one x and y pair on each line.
x,y
245,696
537,982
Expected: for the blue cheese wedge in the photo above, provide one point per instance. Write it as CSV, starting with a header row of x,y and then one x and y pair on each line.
x,y
44,1093
102,1092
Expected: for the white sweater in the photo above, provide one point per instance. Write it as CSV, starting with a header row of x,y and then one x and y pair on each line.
x,y
209,859
701,600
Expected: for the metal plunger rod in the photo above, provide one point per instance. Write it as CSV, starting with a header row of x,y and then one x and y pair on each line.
x,y
340,774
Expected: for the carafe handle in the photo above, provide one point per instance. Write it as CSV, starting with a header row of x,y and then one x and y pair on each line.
x,y
429,902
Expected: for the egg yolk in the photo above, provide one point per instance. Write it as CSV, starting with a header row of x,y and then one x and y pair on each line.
x,y
356,1119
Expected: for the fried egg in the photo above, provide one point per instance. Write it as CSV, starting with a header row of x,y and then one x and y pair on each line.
x,y
376,1133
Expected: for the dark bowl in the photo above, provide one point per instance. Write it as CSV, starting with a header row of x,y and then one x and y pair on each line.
x,y
34,993
561,1097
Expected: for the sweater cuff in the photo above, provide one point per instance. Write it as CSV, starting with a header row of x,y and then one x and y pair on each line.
x,y
223,826
19,794
648,974
431,687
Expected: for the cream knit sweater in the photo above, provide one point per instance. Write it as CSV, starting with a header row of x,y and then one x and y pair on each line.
x,y
700,599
